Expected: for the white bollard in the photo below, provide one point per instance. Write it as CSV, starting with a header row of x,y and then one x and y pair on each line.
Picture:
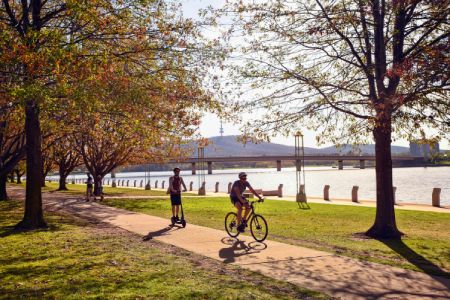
x,y
326,192
355,193
280,190
436,197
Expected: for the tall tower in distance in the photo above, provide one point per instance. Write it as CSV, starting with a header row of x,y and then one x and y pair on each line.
x,y
221,129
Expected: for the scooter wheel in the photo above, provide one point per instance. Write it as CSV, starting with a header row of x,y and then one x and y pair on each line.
x,y
183,223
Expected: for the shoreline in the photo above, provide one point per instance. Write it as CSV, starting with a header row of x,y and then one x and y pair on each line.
x,y
414,186
250,168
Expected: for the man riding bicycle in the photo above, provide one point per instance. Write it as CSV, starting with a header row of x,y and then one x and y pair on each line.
x,y
239,201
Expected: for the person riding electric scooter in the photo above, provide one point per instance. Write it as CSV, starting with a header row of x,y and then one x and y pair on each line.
x,y
175,183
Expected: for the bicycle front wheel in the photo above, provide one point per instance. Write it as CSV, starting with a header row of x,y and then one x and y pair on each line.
x,y
258,228
231,224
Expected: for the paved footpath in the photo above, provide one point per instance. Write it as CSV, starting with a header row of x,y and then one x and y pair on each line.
x,y
334,275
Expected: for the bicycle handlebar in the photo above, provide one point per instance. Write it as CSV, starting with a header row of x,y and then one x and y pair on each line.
x,y
259,200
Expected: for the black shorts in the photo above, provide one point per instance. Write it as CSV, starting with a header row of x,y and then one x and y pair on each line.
x,y
235,199
175,199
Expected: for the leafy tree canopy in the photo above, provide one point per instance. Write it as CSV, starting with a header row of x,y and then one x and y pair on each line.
x,y
341,67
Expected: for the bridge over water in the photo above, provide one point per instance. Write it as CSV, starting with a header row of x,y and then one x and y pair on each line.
x,y
399,160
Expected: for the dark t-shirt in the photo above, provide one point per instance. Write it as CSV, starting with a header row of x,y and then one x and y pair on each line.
x,y
241,187
176,185
176,182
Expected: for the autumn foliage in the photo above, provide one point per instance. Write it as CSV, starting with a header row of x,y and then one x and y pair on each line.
x,y
119,77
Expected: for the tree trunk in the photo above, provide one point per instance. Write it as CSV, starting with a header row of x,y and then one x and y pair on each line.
x,y
385,226
3,193
43,180
18,176
33,217
62,178
11,177
62,183
96,181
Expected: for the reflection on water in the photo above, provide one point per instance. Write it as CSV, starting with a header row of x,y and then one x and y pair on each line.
x,y
413,184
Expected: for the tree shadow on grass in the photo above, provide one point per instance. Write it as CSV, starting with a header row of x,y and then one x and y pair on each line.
x,y
415,258
70,280
56,222
7,231
12,230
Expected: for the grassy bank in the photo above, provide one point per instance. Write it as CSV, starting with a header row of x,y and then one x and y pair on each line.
x,y
425,246
77,260
80,189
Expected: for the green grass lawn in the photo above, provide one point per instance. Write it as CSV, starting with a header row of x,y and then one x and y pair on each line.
x,y
109,191
78,260
425,246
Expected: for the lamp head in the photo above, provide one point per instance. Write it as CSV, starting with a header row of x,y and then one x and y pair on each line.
x,y
299,133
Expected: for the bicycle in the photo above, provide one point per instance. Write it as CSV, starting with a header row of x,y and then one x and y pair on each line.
x,y
258,225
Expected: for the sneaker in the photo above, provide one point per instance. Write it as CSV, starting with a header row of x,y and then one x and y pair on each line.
x,y
244,223
241,228
177,219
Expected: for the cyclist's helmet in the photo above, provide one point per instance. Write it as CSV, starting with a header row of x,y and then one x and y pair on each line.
x,y
242,174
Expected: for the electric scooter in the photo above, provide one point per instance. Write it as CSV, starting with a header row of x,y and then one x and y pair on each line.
x,y
182,221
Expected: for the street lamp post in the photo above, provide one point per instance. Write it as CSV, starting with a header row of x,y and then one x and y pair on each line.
x,y
300,168
201,169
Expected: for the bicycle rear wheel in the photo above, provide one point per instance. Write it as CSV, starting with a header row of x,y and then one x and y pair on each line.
x,y
258,228
231,224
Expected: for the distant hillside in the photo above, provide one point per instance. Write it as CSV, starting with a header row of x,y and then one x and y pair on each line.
x,y
229,146
363,149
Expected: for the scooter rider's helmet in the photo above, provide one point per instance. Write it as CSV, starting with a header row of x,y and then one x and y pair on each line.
x,y
242,174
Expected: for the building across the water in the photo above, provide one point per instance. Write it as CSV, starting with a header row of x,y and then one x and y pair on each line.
x,y
423,148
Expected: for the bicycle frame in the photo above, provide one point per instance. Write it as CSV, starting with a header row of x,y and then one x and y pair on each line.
x,y
252,208
258,225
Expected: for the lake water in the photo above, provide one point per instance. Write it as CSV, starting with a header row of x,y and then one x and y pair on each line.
x,y
414,185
